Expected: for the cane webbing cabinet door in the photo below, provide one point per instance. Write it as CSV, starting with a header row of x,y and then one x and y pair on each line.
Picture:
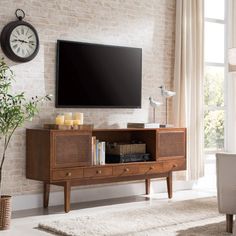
x,y
71,149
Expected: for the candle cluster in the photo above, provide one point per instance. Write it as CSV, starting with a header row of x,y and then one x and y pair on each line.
x,y
70,119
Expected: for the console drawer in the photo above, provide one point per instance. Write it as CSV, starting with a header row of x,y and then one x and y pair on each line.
x,y
138,169
125,170
67,174
97,171
150,168
173,165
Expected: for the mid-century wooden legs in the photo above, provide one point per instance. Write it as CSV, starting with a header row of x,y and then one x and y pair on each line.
x,y
147,185
229,223
46,190
168,181
169,184
67,188
67,193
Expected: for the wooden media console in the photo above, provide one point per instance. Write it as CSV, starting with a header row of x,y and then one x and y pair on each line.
x,y
63,157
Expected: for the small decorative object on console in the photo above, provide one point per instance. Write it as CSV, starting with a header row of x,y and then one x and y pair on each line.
x,y
65,121
166,94
60,120
143,125
126,152
125,158
68,115
79,117
154,104
68,127
125,148
69,123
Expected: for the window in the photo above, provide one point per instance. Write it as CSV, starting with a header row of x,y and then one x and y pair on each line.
x,y
214,104
214,88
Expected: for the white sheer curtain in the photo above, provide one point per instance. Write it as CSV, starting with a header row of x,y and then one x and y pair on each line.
x,y
230,144
188,81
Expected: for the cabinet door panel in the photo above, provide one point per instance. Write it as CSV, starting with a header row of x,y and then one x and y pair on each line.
x,y
72,149
171,144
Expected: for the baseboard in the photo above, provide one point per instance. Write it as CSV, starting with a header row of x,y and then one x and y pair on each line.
x,y
97,192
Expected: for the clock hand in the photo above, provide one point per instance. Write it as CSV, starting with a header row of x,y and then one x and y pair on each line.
x,y
22,41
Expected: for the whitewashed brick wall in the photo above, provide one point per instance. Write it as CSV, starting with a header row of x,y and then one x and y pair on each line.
x,y
148,24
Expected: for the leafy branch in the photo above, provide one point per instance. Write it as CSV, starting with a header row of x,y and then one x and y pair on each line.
x,y
15,109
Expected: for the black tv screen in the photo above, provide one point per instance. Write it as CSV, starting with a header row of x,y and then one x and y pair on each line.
x,y
93,75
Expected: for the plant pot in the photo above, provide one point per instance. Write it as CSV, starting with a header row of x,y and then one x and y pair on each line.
x,y
5,212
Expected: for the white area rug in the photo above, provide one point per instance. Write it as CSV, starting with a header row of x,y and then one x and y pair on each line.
x,y
184,218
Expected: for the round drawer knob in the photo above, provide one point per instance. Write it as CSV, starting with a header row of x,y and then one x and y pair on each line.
x,y
126,169
68,174
175,165
99,172
151,168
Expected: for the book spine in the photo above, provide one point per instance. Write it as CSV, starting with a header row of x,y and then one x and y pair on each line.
x,y
135,125
93,149
97,152
102,152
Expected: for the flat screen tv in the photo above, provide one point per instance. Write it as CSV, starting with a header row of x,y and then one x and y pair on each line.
x,y
98,76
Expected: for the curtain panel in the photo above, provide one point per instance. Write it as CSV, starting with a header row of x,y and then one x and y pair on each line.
x,y
188,80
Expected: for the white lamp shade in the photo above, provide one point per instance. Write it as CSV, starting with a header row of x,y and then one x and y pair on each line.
x,y
232,59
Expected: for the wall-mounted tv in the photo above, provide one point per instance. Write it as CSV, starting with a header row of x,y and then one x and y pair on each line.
x,y
98,76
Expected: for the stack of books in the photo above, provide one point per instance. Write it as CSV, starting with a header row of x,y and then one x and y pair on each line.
x,y
98,151
143,125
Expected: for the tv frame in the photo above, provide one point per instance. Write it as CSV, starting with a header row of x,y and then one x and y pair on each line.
x,y
86,106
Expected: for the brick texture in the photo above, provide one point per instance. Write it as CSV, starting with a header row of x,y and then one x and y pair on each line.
x,y
136,23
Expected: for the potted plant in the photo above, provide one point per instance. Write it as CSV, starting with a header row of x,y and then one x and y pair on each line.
x,y
15,109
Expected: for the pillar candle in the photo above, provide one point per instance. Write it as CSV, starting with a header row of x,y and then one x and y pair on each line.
x,y
68,122
76,122
60,120
68,115
79,116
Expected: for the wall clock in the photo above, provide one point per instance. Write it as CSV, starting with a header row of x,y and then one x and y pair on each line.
x,y
19,39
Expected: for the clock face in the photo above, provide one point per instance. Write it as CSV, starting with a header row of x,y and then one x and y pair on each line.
x,y
19,41
23,41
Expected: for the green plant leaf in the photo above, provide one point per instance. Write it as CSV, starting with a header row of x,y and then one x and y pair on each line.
x,y
15,109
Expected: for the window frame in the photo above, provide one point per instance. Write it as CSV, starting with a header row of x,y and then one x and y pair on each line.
x,y
224,66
